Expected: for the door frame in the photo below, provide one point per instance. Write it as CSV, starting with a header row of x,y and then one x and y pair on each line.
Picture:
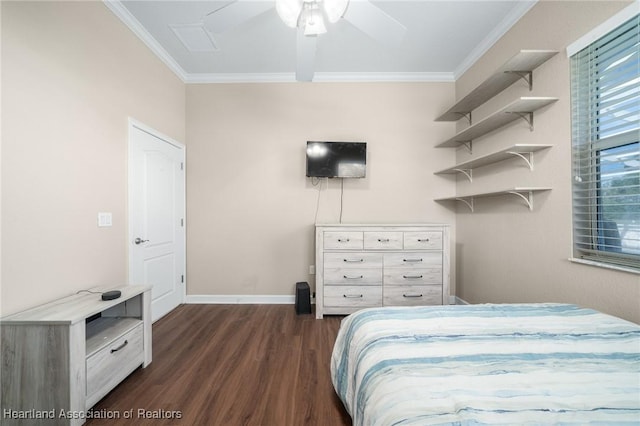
x,y
135,124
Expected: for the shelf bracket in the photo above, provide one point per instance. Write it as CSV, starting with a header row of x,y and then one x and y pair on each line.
x,y
468,202
526,156
466,115
467,172
525,75
468,145
527,198
526,116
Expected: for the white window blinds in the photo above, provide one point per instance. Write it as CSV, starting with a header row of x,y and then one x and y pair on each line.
x,y
605,90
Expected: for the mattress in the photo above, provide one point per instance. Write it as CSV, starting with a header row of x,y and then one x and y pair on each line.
x,y
487,364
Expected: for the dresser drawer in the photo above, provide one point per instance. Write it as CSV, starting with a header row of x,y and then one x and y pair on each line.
x,y
409,295
423,240
352,260
337,240
412,259
383,240
353,276
110,365
413,276
353,295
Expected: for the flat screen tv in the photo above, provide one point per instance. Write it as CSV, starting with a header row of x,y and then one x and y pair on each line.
x,y
336,159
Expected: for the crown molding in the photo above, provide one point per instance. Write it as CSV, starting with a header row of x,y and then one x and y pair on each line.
x,y
521,8
384,77
136,27
203,78
319,77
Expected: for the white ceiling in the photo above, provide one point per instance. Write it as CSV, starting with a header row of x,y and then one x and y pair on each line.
x,y
443,39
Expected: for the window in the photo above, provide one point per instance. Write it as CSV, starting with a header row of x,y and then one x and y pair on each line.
x,y
605,91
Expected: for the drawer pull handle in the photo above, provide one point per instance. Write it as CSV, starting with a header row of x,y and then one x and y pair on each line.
x,y
412,260
353,260
423,240
352,296
412,277
383,240
411,295
359,277
343,240
126,342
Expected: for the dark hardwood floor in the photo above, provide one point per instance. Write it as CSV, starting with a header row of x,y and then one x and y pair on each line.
x,y
232,365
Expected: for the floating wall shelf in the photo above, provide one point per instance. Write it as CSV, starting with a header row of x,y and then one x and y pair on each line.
x,y
523,151
519,66
526,193
522,107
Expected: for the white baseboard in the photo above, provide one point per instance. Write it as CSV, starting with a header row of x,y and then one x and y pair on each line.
x,y
455,300
240,299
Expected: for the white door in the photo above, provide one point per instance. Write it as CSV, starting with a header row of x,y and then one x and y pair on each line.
x,y
156,216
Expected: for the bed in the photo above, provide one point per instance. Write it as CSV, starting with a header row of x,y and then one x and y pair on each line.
x,y
487,364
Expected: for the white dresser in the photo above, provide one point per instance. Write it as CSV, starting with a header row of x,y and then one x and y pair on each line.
x,y
60,358
361,266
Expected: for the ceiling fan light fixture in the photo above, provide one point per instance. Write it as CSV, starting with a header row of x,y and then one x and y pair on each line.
x,y
313,21
335,9
289,11
310,15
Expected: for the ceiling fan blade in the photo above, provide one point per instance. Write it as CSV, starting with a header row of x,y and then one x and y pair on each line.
x,y
234,14
305,56
374,22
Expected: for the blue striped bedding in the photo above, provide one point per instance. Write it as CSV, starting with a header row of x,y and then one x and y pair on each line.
x,y
487,364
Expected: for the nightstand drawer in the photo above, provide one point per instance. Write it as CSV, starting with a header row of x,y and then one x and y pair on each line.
x,y
352,260
359,296
413,276
412,260
110,365
423,240
409,295
383,240
337,240
353,276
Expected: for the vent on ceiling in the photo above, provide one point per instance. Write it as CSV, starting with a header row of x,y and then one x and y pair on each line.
x,y
195,37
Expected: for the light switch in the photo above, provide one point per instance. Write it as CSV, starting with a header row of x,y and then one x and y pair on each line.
x,y
104,219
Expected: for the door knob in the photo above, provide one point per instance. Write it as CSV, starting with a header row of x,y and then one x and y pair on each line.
x,y
139,240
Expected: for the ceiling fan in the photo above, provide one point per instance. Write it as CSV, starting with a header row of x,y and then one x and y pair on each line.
x,y
310,17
